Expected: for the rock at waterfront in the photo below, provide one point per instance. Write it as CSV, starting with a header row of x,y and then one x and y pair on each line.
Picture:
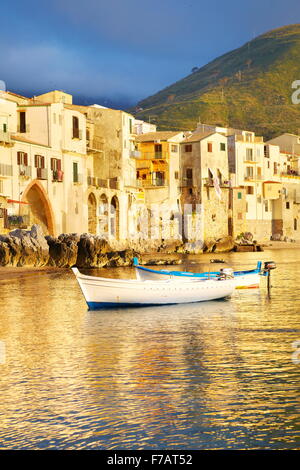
x,y
24,248
224,245
62,251
92,251
209,245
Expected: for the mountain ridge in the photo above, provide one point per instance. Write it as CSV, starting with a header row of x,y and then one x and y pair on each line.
x,y
249,87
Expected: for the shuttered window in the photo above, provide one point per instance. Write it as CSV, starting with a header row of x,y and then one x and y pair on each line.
x,y
22,158
39,161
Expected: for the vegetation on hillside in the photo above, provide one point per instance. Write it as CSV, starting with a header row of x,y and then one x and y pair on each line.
x,y
249,88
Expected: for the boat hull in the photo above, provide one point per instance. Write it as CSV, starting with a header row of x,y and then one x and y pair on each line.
x,y
116,293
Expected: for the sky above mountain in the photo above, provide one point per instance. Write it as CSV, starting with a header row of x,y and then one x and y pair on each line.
x,y
120,51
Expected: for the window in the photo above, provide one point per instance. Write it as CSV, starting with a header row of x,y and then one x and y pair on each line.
x,y
249,190
249,155
222,147
4,127
295,224
55,164
275,168
266,206
22,121
287,205
239,195
247,208
75,172
189,173
130,126
22,158
188,148
158,150
209,147
240,216
176,175
39,161
174,148
268,165
249,172
75,127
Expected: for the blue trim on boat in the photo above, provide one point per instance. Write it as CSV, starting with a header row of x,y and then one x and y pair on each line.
x,y
190,274
109,305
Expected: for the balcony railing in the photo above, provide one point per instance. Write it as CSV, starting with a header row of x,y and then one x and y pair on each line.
x,y
94,145
135,154
57,176
102,183
154,155
25,171
5,170
92,181
18,221
187,183
77,178
290,174
5,137
158,182
114,183
253,177
41,173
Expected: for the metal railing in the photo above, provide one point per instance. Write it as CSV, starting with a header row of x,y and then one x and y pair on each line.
x,y
5,170
290,173
42,173
5,137
154,155
19,221
135,154
77,178
57,176
25,171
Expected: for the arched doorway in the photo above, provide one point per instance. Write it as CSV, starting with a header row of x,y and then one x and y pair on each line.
x,y
40,209
92,214
114,218
103,215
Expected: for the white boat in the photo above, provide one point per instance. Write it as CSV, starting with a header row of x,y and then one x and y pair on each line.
x,y
248,279
102,292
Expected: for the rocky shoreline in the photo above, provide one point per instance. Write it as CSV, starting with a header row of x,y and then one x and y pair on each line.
x,y
30,248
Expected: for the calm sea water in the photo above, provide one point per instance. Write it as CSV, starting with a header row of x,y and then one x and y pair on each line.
x,y
214,375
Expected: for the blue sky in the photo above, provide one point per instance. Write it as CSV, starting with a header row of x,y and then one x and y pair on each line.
x,y
124,50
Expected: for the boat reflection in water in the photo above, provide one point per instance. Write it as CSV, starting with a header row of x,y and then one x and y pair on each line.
x,y
207,375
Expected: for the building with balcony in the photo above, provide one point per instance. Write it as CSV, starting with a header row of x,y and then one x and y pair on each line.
x,y
205,183
157,163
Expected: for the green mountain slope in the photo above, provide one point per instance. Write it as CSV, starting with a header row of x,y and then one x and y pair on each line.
x,y
249,88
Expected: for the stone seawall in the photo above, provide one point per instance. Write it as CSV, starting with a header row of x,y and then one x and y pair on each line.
x,y
31,248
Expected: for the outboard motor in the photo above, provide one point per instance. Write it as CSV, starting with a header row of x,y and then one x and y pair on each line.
x,y
226,273
269,265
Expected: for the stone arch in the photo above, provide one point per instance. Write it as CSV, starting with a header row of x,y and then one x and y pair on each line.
x,y
92,213
103,215
115,217
40,207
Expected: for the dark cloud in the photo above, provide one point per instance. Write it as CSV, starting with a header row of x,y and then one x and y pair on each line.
x,y
127,49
